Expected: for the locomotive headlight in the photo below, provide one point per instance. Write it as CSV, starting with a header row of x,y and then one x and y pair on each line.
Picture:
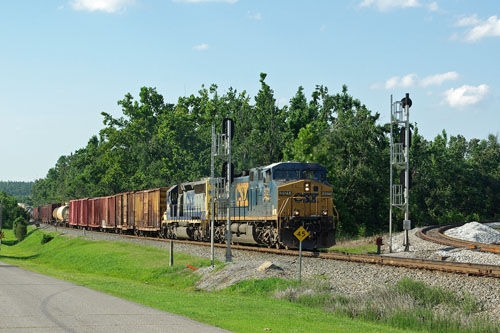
x,y
307,187
324,212
296,212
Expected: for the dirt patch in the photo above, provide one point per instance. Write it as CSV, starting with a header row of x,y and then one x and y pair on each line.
x,y
219,278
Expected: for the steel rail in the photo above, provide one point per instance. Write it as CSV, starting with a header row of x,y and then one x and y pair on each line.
x,y
436,234
383,260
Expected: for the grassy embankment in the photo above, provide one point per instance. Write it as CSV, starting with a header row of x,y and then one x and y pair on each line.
x,y
362,245
140,273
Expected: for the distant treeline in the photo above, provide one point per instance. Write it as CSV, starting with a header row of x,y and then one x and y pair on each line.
x,y
156,144
20,190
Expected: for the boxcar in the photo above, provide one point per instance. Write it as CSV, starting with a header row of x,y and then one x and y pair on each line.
x,y
124,211
74,210
36,214
94,212
83,213
149,206
46,212
108,210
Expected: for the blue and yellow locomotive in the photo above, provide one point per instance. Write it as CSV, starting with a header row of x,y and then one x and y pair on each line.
x,y
266,207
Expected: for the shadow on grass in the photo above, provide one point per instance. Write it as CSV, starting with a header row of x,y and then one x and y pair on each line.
x,y
20,257
10,242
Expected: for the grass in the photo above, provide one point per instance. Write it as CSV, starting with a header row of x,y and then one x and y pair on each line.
x,y
141,274
362,245
409,304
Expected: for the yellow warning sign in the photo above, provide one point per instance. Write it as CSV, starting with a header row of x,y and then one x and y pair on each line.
x,y
301,234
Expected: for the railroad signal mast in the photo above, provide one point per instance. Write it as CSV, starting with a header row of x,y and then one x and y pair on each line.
x,y
220,187
400,161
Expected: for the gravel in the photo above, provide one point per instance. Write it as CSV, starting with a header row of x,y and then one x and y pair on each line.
x,y
346,278
475,232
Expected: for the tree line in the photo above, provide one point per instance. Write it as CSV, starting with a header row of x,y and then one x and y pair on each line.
x,y
20,190
155,143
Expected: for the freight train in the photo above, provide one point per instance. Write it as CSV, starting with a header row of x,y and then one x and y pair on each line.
x,y
266,206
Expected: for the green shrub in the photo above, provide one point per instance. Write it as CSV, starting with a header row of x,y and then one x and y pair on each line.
x,y
46,238
20,228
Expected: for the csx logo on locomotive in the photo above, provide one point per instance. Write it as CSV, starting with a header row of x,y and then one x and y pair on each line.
x,y
305,197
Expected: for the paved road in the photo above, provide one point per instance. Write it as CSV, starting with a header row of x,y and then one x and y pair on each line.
x,y
30,302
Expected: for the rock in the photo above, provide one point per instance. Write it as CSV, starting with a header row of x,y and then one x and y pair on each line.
x,y
267,265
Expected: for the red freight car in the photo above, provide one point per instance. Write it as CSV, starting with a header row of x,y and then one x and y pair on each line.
x,y
46,212
83,213
94,213
74,212
36,214
108,210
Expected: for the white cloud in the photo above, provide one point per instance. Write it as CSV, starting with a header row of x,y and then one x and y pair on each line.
x,y
322,28
488,28
466,21
400,82
108,6
438,79
412,79
478,29
254,16
433,6
386,5
201,47
465,95
198,1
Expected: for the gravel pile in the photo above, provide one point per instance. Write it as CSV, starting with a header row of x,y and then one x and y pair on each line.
x,y
475,232
346,278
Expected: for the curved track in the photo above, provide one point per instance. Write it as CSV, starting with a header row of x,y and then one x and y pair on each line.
x,y
432,265
436,234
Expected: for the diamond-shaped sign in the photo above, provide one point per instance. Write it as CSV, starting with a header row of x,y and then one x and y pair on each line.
x,y
301,234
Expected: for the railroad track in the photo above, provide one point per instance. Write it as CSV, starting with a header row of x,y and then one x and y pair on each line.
x,y
431,265
436,234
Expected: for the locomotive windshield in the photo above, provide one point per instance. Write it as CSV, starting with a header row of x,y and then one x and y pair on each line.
x,y
296,174
286,174
314,175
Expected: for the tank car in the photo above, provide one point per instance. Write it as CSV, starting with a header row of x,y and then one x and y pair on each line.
x,y
61,215
266,207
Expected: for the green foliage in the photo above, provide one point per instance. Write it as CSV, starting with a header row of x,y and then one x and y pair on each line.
x,y
155,143
10,210
20,228
17,189
432,296
46,238
409,304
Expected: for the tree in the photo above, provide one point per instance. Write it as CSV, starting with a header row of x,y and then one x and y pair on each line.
x,y
10,210
20,228
354,149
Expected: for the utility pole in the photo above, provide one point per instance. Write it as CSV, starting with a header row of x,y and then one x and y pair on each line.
x,y
213,193
221,147
229,256
400,161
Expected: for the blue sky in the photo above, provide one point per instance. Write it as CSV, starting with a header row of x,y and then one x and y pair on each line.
x,y
63,62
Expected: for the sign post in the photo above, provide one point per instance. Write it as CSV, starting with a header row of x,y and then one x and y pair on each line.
x,y
301,234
